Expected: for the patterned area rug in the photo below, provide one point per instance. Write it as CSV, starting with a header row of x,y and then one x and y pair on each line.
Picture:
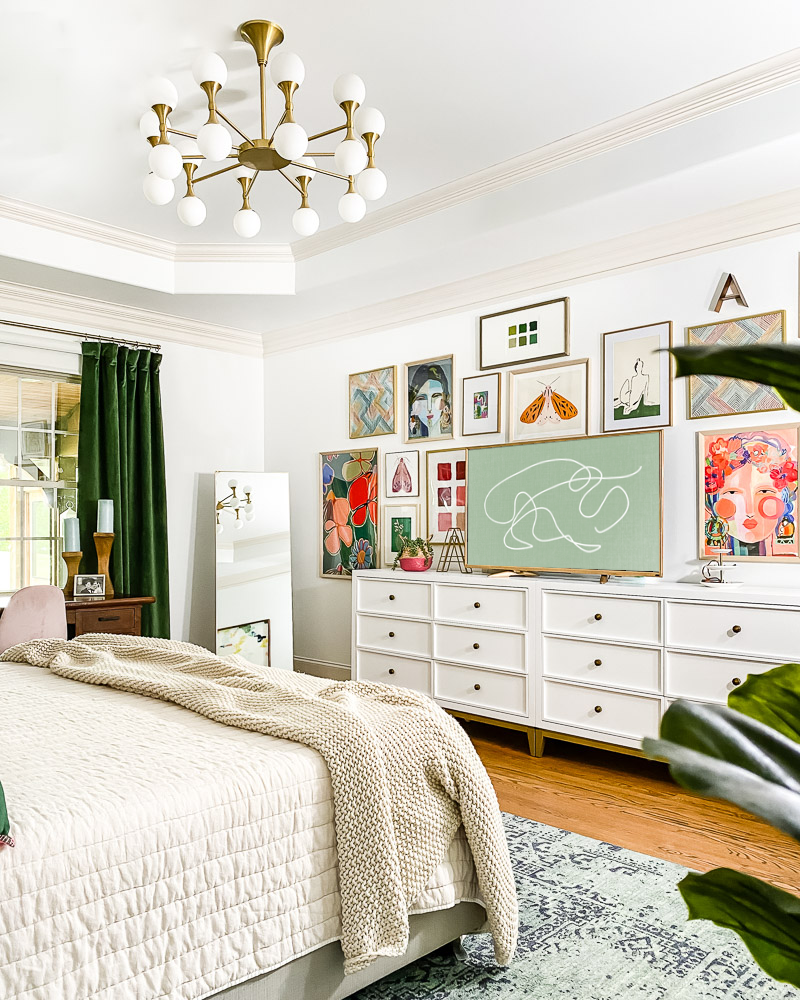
x,y
596,923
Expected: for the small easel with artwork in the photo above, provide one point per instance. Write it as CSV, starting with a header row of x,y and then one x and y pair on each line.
x,y
453,549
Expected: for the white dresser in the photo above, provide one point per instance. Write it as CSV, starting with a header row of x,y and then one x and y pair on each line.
x,y
566,659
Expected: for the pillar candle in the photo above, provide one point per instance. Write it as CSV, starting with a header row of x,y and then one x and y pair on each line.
x,y
72,534
105,516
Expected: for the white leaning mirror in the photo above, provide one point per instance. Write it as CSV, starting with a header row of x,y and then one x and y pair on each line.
x,y
253,567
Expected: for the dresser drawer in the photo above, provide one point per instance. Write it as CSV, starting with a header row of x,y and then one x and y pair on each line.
x,y
630,715
486,689
399,670
481,646
602,617
117,621
396,635
602,663
481,605
389,597
707,678
759,632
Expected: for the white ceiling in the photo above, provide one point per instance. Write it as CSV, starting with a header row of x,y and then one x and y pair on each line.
x,y
463,86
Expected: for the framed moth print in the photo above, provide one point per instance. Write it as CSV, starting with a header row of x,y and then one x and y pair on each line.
x,y
447,492
549,402
429,399
480,404
532,333
349,512
372,402
718,396
748,493
637,382
400,520
402,474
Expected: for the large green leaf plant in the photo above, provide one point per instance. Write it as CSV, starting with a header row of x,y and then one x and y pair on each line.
x,y
748,752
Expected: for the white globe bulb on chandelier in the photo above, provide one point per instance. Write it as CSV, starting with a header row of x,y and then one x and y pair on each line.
x,y
284,151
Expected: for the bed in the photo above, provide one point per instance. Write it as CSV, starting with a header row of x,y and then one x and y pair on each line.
x,y
164,856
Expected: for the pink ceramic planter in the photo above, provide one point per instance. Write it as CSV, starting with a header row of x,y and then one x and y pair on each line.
x,y
415,564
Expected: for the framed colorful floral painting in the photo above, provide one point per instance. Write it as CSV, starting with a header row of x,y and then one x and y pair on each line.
x,y
447,492
349,515
372,402
398,520
402,474
429,399
748,493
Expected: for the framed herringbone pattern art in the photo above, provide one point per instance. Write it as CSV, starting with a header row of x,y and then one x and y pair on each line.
x,y
372,404
715,396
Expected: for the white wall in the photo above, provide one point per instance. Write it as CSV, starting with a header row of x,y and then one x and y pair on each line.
x,y
213,419
305,406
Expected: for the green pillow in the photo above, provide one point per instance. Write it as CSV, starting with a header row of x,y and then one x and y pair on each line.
x,y
5,836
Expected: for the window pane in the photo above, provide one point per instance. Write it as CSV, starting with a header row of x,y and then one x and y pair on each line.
x,y
8,454
9,565
67,457
37,455
37,403
38,561
9,518
68,400
9,399
38,512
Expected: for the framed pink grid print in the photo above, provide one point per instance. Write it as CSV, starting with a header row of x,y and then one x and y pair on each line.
x,y
447,492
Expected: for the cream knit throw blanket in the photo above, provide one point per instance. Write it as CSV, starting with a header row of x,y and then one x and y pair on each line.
x,y
404,774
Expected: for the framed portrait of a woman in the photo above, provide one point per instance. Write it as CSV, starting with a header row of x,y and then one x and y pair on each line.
x,y
429,400
748,493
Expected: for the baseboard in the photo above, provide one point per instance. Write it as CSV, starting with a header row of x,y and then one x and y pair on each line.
x,y
323,668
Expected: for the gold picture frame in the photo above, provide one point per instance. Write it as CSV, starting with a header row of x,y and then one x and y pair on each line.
x,y
430,531
513,379
408,415
485,363
498,405
604,373
394,411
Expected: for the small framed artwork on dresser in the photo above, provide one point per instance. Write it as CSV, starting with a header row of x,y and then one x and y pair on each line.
x,y
637,383
748,493
480,404
447,492
399,521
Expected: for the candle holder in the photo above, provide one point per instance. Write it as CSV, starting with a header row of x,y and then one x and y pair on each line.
x,y
103,540
73,561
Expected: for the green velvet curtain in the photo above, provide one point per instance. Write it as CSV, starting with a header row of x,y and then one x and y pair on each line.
x,y
121,457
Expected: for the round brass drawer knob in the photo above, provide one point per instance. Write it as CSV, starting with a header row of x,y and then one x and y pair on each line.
x,y
391,670
598,617
736,681
736,629
476,645
391,597
598,708
598,663
391,635
477,687
477,604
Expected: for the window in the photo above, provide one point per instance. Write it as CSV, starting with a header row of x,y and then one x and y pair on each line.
x,y
38,474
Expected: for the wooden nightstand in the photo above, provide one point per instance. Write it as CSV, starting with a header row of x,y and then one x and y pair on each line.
x,y
117,615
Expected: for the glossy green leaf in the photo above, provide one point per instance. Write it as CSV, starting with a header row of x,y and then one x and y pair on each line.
x,y
773,698
765,918
718,752
776,365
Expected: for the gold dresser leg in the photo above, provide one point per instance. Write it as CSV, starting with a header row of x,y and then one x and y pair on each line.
x,y
536,742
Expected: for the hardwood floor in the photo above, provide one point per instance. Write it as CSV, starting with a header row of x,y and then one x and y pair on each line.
x,y
632,803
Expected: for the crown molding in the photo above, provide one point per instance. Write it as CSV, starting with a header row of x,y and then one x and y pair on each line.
x,y
41,305
680,109
226,253
762,218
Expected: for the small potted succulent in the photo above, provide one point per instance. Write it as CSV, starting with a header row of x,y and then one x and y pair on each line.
x,y
415,555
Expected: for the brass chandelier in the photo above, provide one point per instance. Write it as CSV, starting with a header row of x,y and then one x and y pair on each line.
x,y
283,151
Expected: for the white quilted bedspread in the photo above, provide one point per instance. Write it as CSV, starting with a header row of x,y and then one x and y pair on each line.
x,y
160,854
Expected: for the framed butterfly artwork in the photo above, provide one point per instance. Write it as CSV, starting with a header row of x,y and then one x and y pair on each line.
x,y
402,474
551,401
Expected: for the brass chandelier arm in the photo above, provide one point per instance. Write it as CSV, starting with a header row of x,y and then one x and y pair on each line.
x,y
252,182
319,170
177,131
262,75
330,131
282,120
216,173
289,179
234,127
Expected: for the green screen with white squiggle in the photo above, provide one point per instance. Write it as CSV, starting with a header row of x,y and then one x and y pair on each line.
x,y
589,504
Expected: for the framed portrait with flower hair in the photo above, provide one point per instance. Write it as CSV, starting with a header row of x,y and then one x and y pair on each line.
x,y
349,512
748,493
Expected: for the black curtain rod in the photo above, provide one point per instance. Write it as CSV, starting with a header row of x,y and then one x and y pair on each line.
x,y
82,336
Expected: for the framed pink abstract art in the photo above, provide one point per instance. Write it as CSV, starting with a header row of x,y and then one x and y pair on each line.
x,y
447,492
